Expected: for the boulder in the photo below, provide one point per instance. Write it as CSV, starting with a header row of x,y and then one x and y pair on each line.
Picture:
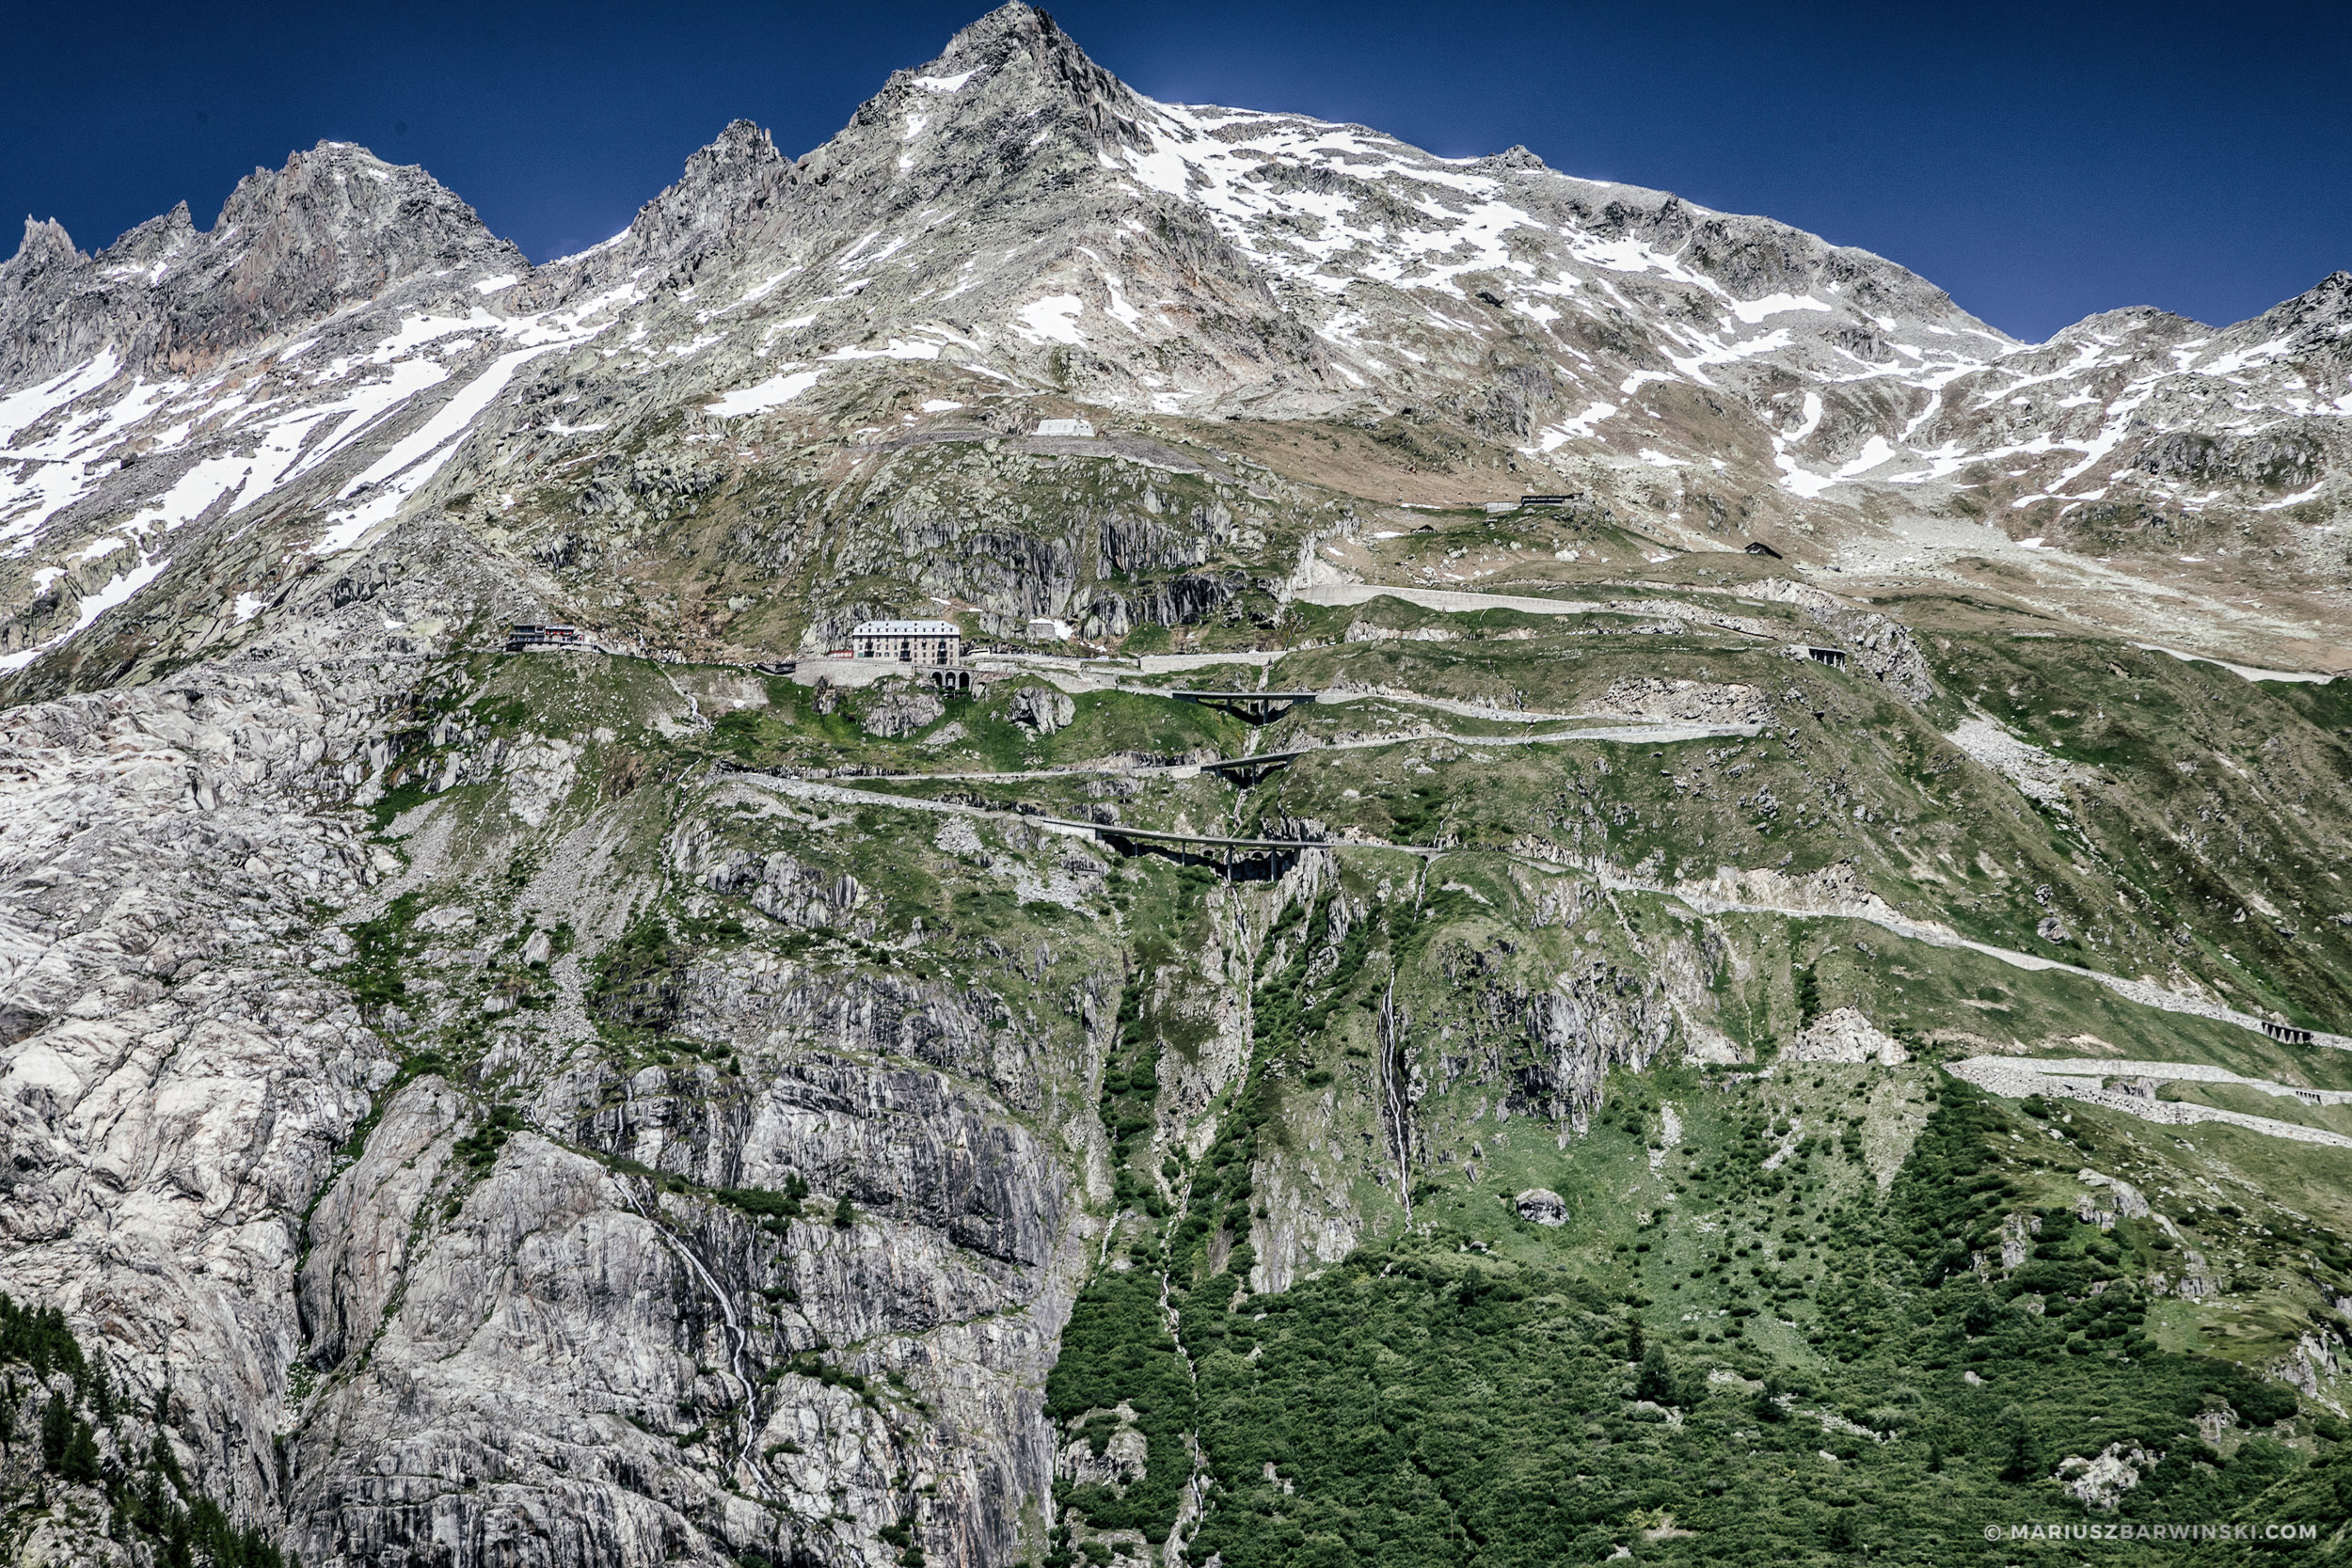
x,y
901,713
2100,1482
1542,1206
1844,1036
1042,708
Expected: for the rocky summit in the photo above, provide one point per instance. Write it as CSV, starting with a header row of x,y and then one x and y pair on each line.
x,y
1566,876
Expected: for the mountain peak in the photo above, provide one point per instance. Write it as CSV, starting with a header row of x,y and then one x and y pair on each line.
x,y
1024,40
342,184
336,227
1514,156
2331,296
158,237
1009,26
738,175
45,244
2152,323
1012,103
2318,320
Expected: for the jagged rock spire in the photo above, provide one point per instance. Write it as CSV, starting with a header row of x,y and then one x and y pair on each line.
x,y
45,244
335,227
734,179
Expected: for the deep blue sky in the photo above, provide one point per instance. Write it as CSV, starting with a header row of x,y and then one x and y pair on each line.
x,y
2041,161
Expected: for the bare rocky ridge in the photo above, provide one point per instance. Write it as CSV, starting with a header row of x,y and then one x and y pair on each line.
x,y
1009,231
336,226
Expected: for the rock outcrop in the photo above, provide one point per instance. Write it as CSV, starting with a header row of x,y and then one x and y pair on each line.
x,y
1844,1034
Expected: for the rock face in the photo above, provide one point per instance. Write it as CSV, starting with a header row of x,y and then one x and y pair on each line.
x,y
512,1336
1579,1030
1695,700
1042,708
901,713
178,1079
777,884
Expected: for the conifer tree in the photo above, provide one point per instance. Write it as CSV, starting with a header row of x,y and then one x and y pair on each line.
x,y
1655,1382
57,1430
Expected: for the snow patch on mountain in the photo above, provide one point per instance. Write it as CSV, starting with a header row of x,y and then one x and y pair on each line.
x,y
774,392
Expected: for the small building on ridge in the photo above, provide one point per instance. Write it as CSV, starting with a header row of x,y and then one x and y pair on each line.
x,y
524,635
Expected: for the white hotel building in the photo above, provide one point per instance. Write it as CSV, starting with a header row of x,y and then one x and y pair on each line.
x,y
909,642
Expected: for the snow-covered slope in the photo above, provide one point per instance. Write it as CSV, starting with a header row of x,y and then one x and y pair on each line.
x,y
206,420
